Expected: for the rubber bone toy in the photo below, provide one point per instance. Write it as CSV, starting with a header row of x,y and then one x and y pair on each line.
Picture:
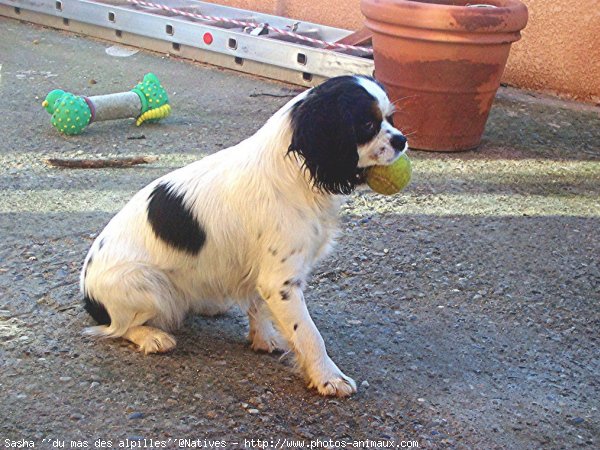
x,y
147,102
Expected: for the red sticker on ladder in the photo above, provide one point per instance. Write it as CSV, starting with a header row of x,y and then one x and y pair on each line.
x,y
208,38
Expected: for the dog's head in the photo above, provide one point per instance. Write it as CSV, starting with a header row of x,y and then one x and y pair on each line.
x,y
341,127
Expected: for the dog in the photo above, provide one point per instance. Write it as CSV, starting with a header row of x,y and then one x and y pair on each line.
x,y
244,226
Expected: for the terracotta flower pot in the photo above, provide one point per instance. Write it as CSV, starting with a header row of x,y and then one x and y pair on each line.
x,y
442,60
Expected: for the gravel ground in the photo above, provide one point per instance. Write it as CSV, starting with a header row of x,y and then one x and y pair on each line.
x,y
465,308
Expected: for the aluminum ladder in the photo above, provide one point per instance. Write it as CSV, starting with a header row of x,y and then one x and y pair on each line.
x,y
280,48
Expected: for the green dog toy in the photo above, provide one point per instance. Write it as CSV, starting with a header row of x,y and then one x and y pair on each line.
x,y
147,102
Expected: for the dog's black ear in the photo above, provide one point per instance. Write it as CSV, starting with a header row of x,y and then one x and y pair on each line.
x,y
324,135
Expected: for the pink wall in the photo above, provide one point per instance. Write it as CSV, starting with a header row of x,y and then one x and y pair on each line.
x,y
341,13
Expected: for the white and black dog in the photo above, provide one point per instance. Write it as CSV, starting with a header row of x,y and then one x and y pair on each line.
x,y
244,226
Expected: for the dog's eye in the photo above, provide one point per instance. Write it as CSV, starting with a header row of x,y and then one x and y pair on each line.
x,y
390,119
370,126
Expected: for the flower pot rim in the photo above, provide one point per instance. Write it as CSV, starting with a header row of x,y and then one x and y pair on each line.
x,y
499,4
508,16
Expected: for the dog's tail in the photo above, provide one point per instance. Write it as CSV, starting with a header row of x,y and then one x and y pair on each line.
x,y
100,315
107,328
96,310
100,331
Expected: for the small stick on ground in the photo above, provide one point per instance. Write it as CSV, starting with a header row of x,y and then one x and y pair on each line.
x,y
268,94
100,163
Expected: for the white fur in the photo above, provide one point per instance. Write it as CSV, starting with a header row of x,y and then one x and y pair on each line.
x,y
266,227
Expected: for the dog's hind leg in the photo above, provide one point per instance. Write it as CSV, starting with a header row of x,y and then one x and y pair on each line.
x,y
134,295
148,339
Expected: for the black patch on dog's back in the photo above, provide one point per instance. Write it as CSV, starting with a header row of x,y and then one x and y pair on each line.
x,y
173,222
96,310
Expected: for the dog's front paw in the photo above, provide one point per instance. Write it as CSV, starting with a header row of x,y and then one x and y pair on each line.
x,y
269,341
338,385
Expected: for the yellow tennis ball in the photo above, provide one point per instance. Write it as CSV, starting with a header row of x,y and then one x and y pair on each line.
x,y
391,179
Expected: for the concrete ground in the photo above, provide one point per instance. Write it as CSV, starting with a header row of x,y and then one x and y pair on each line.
x,y
467,308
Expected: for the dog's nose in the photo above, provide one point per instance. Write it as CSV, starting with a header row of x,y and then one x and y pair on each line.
x,y
398,142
